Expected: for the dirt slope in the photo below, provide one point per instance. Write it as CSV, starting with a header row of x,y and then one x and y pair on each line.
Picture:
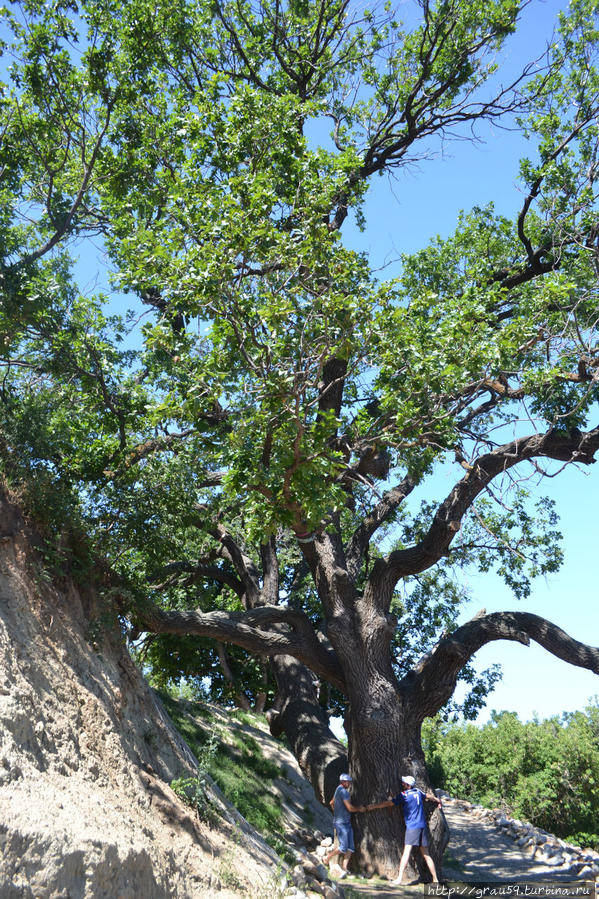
x,y
86,756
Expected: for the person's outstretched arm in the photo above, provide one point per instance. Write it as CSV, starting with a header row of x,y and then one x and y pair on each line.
x,y
354,808
386,803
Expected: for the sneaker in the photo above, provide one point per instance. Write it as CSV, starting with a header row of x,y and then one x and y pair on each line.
x,y
397,882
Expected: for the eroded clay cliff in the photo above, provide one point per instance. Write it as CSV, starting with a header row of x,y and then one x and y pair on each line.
x,y
87,755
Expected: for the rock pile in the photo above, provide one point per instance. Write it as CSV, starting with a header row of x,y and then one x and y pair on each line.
x,y
309,876
542,846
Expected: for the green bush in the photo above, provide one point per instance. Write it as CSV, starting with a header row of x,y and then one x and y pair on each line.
x,y
545,772
192,790
586,840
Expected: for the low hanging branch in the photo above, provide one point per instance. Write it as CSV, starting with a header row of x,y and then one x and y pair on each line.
x,y
432,682
240,697
298,714
196,571
265,631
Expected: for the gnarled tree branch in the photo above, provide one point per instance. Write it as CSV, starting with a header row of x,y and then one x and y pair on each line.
x,y
195,571
378,516
432,682
297,713
264,631
574,447
244,566
270,568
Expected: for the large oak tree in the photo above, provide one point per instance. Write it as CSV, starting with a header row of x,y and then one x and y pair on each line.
x,y
248,465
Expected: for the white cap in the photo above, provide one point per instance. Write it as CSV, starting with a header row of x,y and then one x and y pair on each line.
x,y
408,779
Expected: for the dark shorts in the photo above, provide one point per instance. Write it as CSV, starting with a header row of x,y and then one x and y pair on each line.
x,y
345,836
416,837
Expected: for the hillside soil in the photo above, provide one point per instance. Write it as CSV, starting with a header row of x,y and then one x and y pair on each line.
x,y
87,756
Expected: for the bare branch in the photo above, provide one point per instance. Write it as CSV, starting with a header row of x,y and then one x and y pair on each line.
x,y
266,631
244,566
196,571
381,513
240,696
298,713
575,447
212,479
433,680
421,117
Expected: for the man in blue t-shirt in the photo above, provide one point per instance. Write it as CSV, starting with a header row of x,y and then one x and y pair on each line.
x,y
342,808
411,801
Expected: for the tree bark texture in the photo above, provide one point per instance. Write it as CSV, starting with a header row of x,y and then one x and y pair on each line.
x,y
384,747
383,726
298,714
384,737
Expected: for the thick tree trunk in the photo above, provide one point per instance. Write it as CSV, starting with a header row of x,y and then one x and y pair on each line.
x,y
382,749
298,714
384,738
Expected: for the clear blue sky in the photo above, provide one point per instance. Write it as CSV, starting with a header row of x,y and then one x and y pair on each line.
x,y
403,215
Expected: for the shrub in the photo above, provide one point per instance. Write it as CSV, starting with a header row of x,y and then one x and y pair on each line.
x,y
546,772
241,771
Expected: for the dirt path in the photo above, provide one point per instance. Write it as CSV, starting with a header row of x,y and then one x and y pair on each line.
x,y
484,853
481,853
